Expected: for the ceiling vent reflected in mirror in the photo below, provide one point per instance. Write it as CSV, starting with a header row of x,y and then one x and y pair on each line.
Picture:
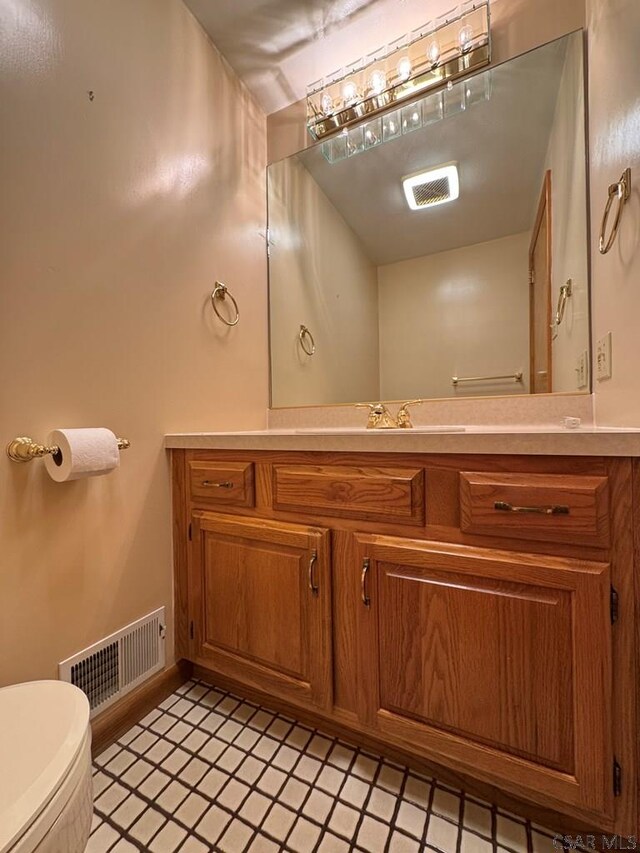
x,y
432,187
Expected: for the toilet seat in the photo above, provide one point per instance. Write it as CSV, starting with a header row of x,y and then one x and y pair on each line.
x,y
44,754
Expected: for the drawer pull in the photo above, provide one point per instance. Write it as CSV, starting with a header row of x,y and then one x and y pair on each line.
x,y
363,582
557,509
312,563
226,484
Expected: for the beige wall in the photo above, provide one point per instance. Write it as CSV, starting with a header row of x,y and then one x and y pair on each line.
x,y
320,276
117,215
459,313
614,113
566,158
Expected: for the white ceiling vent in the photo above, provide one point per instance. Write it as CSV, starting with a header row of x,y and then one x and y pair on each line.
x,y
114,666
432,187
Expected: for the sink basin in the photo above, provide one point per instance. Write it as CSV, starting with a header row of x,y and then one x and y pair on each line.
x,y
365,431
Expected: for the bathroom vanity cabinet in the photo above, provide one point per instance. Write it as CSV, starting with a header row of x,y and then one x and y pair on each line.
x,y
472,612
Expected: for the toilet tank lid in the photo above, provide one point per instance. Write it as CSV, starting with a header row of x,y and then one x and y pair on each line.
x,y
43,725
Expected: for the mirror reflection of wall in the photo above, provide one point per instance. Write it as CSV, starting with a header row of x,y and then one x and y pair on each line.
x,y
400,301
321,276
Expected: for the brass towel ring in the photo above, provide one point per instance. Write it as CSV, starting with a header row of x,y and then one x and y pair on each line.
x,y
221,291
565,292
306,340
621,191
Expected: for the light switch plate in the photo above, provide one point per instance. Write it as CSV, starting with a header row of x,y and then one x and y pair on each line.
x,y
603,358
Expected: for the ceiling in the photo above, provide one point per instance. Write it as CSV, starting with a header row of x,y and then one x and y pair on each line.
x,y
279,47
499,145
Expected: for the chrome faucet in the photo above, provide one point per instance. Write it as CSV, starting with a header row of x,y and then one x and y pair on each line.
x,y
381,418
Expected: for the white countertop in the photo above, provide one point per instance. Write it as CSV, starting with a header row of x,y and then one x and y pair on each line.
x,y
547,441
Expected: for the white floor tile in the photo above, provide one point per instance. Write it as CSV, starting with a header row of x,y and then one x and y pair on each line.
x,y
233,794
511,834
192,809
442,834
213,824
147,825
355,791
128,811
168,839
279,821
373,835
318,806
403,844
304,836
344,820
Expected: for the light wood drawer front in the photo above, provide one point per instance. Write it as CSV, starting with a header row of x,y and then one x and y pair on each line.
x,y
547,507
377,494
223,483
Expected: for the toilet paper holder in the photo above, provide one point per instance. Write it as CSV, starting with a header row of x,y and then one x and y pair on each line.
x,y
24,449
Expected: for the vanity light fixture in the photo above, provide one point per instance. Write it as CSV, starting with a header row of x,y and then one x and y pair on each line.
x,y
455,45
432,187
394,124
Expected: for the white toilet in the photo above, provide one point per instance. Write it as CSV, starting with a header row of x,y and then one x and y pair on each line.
x,y
45,768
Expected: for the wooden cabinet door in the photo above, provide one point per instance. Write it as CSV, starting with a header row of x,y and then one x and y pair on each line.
x,y
261,605
494,663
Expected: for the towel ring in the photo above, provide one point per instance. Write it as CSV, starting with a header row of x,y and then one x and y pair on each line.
x,y
566,291
221,291
306,340
621,191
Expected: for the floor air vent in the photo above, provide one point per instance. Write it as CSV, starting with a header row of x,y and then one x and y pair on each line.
x,y
114,666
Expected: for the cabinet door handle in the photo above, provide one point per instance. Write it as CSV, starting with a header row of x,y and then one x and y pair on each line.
x,y
312,563
210,484
363,582
556,509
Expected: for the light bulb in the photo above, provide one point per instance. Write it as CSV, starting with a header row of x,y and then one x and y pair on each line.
x,y
350,92
404,68
464,38
433,53
370,136
378,81
392,127
326,104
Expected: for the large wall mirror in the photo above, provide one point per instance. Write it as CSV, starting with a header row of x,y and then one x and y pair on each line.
x,y
468,279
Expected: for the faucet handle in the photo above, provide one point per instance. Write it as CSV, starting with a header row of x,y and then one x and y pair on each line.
x,y
403,418
379,416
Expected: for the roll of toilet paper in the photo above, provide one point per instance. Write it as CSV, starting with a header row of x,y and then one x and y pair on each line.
x,y
83,453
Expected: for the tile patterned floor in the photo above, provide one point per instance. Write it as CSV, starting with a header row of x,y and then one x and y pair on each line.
x,y
209,771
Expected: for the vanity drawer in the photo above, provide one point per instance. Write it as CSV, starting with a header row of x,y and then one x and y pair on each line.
x,y
546,507
368,493
225,483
